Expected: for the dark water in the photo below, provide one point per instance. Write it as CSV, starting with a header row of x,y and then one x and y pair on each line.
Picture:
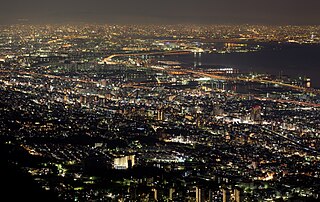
x,y
289,59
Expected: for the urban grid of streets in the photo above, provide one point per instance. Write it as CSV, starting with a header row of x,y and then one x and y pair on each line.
x,y
101,113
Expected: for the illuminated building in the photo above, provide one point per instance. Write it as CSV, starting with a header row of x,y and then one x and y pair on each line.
x,y
171,191
225,195
160,115
238,194
155,194
308,82
199,194
123,163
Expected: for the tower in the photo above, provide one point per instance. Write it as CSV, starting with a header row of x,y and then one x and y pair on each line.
x,y
197,58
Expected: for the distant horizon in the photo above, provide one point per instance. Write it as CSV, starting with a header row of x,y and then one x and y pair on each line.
x,y
26,22
272,12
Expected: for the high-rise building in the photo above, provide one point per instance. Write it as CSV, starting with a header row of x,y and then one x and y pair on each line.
x,y
155,194
171,190
199,194
238,194
308,82
160,115
225,195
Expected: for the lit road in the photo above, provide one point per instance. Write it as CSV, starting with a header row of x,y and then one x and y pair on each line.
x,y
307,104
108,60
294,141
50,76
219,77
177,52
188,71
301,103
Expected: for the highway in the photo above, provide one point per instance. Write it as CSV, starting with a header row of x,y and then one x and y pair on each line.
x,y
295,142
188,71
108,60
300,103
50,76
219,77
176,52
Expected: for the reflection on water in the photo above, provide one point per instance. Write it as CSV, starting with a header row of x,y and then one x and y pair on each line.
x,y
291,60
245,88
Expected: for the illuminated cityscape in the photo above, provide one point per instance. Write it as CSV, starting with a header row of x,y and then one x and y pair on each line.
x,y
112,113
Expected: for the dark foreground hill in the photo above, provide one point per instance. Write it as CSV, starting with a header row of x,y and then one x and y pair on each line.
x,y
18,186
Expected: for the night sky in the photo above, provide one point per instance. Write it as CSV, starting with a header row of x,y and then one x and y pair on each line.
x,y
165,11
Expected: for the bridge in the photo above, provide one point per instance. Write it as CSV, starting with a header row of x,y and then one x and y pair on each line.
x,y
219,77
108,60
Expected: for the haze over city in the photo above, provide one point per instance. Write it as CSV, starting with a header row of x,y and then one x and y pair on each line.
x,y
166,11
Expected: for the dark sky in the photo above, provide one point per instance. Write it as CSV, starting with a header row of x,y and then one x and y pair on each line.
x,y
165,11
